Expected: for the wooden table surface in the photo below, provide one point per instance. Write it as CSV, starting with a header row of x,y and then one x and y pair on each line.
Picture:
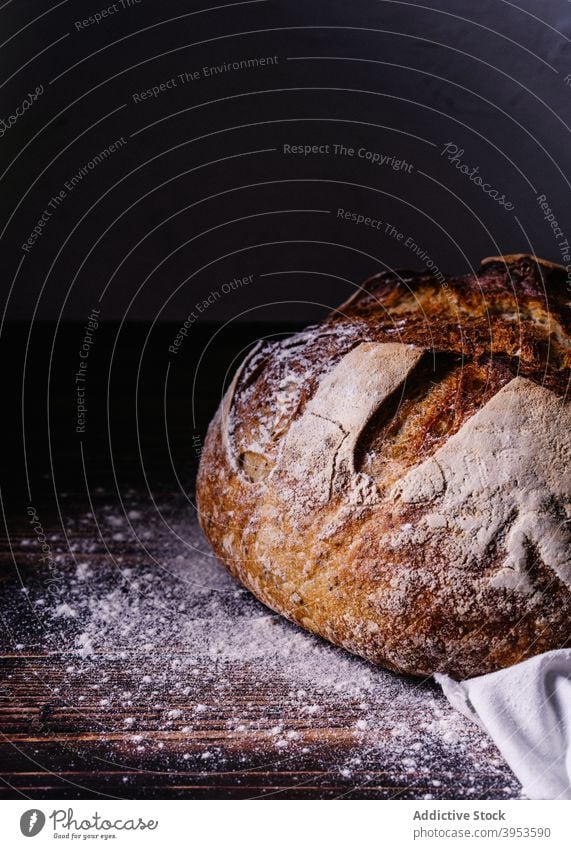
x,y
129,672
133,666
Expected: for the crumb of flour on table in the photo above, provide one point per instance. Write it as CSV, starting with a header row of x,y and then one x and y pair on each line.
x,y
197,674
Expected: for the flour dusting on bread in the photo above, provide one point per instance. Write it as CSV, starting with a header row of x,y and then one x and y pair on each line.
x,y
505,475
397,479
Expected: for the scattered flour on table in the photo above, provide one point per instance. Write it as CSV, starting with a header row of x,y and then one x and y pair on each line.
x,y
171,645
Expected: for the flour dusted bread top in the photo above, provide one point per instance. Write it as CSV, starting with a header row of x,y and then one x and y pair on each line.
x,y
397,478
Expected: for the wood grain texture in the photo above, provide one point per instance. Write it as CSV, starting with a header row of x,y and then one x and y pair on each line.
x,y
183,719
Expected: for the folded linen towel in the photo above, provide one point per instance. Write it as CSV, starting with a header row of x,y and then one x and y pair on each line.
x,y
526,710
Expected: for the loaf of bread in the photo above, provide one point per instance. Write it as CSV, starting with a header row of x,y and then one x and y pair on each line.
x,y
397,478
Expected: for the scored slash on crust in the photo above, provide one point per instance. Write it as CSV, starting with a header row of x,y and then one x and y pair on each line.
x,y
408,500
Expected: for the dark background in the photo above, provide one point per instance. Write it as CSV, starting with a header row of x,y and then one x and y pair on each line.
x,y
201,193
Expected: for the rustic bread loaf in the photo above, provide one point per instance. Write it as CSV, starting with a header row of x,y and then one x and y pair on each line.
x,y
397,478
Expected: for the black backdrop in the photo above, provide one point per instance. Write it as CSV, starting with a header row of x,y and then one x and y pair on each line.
x,y
163,163
199,190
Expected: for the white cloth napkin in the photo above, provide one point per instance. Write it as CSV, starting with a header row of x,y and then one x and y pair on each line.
x,y
526,710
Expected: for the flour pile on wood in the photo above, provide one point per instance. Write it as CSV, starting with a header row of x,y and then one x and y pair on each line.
x,y
160,644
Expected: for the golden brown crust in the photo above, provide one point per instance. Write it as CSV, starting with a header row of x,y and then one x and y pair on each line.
x,y
330,483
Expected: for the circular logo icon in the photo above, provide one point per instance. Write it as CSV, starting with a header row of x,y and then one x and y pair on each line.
x,y
32,822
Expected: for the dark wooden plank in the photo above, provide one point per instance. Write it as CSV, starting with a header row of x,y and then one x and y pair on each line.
x,y
133,666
